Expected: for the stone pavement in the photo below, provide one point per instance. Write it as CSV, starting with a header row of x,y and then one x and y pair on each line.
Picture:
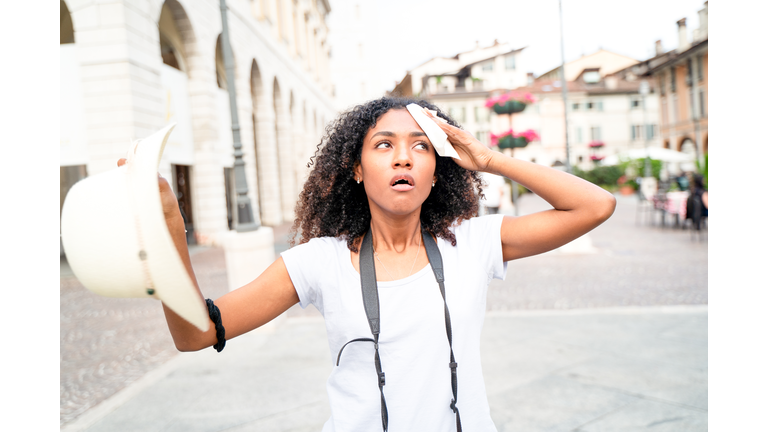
x,y
599,368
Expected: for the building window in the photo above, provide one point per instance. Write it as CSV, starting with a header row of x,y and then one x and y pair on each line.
x,y
651,131
689,72
672,80
675,114
581,159
702,104
598,105
595,134
591,77
482,136
579,138
700,68
463,116
488,66
636,132
575,106
634,103
509,62
691,103
662,86
477,114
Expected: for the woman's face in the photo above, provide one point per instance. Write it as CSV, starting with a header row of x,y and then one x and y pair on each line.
x,y
397,165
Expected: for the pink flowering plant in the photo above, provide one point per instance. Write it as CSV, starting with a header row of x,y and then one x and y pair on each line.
x,y
596,144
597,158
524,98
510,139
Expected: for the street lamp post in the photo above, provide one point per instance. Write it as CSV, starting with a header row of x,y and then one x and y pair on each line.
x,y
644,90
245,221
564,87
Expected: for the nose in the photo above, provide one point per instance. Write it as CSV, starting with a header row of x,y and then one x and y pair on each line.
x,y
402,157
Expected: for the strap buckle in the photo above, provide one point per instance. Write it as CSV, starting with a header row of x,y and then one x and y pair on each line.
x,y
382,380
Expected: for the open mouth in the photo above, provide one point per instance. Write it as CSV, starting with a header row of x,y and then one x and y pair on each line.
x,y
402,183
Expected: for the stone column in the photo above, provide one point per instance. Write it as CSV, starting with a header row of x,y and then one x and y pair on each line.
x,y
269,180
286,158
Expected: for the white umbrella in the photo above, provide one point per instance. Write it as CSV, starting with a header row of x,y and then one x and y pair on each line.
x,y
658,153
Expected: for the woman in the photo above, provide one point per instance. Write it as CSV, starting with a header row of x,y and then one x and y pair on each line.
x,y
377,170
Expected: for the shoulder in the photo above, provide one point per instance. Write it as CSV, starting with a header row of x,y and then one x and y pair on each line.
x,y
318,249
477,229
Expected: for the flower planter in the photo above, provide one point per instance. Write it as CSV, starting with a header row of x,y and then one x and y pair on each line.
x,y
626,190
510,107
506,142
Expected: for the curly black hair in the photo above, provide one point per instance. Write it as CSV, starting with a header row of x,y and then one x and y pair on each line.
x,y
332,204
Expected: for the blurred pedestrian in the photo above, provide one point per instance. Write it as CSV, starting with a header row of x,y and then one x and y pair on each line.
x,y
382,209
697,206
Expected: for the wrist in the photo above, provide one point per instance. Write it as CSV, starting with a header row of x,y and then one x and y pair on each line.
x,y
495,161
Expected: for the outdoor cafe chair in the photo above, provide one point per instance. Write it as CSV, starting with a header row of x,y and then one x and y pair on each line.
x,y
645,208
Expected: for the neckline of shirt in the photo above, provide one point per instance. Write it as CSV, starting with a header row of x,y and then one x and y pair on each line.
x,y
427,269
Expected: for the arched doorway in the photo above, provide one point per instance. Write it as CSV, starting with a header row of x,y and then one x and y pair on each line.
x,y
174,78
687,146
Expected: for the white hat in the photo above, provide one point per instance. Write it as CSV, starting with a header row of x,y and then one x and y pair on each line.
x,y
116,240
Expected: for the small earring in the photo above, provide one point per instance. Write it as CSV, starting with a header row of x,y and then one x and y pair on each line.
x,y
433,183
358,181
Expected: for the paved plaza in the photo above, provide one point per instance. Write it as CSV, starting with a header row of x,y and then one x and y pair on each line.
x,y
608,333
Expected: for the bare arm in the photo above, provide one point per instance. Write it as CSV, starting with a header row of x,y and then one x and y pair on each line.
x,y
242,310
579,206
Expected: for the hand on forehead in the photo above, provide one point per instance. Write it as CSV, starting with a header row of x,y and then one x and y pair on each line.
x,y
436,136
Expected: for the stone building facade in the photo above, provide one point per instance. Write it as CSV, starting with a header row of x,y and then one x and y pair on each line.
x,y
129,67
682,77
605,105
461,84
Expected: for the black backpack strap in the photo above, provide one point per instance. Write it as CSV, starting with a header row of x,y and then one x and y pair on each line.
x,y
436,261
371,304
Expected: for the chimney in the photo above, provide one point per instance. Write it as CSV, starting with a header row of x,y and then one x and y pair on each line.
x,y
682,36
659,49
703,21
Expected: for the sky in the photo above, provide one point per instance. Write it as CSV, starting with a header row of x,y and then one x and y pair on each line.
x,y
411,32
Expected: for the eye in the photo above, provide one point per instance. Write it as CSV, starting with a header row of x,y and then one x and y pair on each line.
x,y
422,145
382,144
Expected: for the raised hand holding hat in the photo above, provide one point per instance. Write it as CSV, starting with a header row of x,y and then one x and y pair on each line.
x,y
116,240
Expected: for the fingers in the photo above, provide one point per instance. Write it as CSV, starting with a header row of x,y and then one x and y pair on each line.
x,y
121,162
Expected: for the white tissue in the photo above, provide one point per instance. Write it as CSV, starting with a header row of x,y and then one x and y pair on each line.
x,y
436,136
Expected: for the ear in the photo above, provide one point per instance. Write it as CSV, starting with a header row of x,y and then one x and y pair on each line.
x,y
358,170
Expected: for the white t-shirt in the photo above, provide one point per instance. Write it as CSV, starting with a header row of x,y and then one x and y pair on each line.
x,y
413,344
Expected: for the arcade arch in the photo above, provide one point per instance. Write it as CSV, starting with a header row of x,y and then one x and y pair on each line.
x,y
66,29
174,80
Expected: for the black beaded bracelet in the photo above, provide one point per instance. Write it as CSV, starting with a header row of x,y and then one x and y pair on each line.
x,y
215,315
